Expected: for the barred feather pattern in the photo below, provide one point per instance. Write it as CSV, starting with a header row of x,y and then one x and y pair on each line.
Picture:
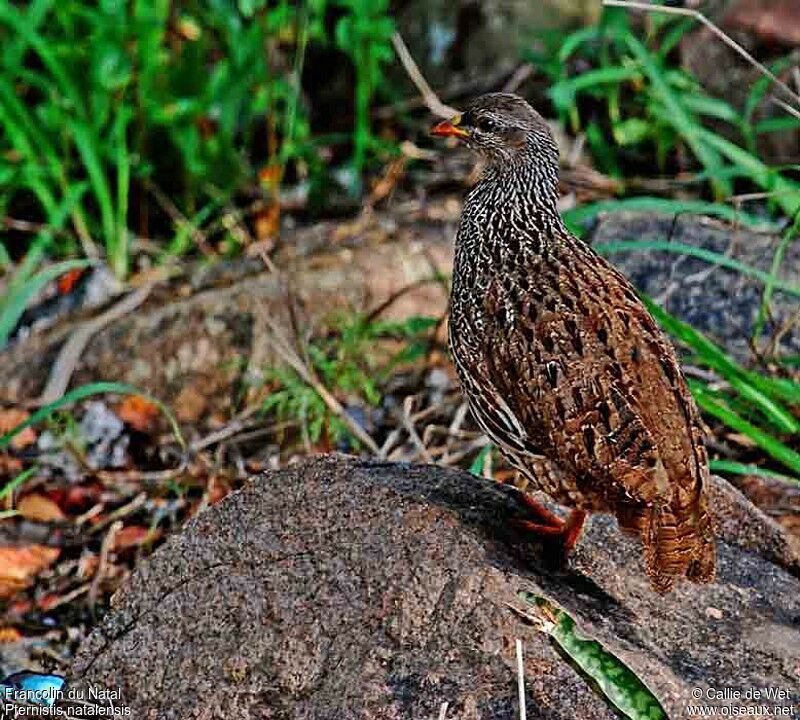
x,y
564,368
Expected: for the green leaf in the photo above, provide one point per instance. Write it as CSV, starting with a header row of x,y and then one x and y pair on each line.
x,y
769,444
619,685
16,300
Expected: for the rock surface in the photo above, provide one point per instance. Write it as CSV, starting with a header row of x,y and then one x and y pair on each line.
x,y
341,588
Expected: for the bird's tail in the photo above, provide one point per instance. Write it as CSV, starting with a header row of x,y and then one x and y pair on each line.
x,y
678,540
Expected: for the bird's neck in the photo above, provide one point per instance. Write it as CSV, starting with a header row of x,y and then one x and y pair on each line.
x,y
519,190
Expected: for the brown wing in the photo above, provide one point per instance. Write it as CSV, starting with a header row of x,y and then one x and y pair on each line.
x,y
585,372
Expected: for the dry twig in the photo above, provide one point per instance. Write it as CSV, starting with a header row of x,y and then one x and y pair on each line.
x,y
729,41
102,565
70,354
431,99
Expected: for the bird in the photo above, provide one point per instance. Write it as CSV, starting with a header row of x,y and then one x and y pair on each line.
x,y
563,367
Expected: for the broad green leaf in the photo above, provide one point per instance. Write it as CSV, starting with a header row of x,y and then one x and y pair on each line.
x,y
619,685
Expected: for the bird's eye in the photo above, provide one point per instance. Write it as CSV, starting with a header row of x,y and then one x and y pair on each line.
x,y
486,125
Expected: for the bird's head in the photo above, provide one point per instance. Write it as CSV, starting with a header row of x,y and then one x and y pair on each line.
x,y
503,128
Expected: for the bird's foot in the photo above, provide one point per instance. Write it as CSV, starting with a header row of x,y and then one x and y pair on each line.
x,y
548,524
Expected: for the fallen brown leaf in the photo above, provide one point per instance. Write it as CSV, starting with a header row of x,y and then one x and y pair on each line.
x,y
9,419
139,412
19,565
39,508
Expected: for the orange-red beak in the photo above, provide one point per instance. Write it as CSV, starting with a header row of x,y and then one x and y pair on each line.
x,y
449,128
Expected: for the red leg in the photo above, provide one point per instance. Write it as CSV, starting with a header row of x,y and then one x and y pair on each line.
x,y
573,528
530,503
552,525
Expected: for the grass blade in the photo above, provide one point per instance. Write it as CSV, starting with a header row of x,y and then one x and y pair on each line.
x,y
677,116
563,93
12,17
789,235
770,445
16,300
87,146
718,360
786,192
98,388
118,254
737,468
578,216
15,482
709,256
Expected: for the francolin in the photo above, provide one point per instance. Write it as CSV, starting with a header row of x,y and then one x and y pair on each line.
x,y
562,365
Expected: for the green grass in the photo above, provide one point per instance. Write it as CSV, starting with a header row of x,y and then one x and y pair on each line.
x,y
350,362
636,105
759,406
99,101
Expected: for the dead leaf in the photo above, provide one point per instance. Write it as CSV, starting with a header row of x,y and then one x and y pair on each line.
x,y
189,405
133,536
19,565
9,419
40,508
9,635
139,412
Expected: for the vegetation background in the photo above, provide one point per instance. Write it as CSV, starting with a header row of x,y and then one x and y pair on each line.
x,y
142,138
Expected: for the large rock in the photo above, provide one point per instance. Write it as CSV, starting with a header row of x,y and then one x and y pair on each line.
x,y
343,589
